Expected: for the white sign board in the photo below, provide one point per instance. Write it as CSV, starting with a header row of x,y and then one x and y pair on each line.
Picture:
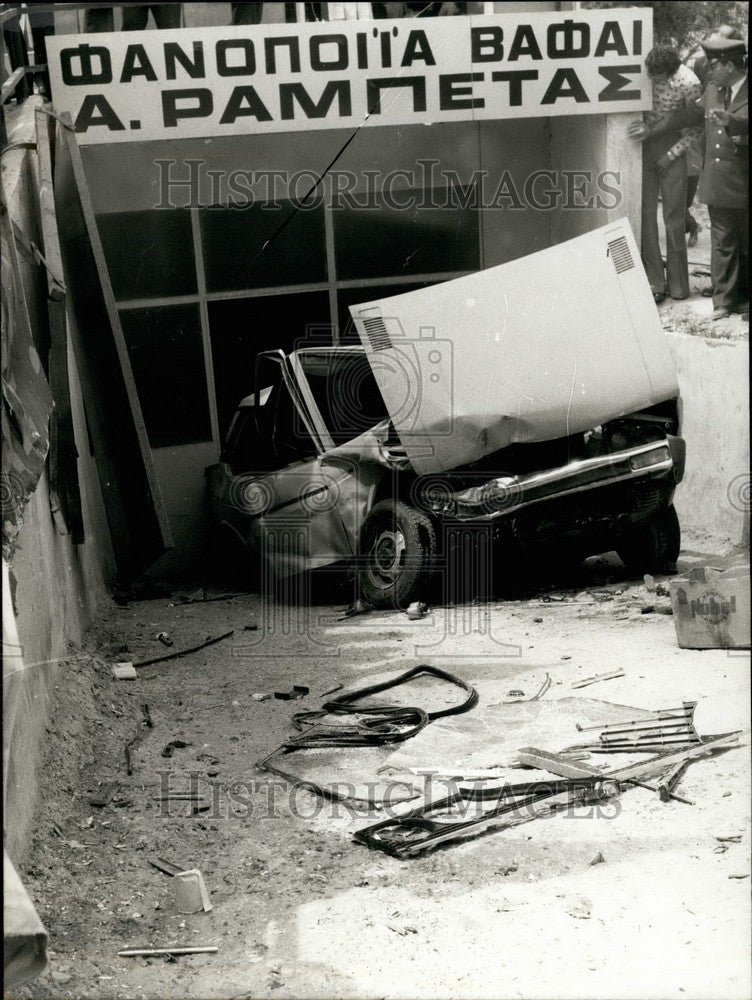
x,y
249,80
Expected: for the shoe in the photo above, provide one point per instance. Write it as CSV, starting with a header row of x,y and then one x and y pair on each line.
x,y
707,292
658,297
740,307
720,313
692,238
680,298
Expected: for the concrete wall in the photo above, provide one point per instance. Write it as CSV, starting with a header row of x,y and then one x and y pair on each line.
x,y
608,183
713,500
58,584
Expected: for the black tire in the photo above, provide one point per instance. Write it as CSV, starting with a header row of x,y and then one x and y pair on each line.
x,y
397,555
652,546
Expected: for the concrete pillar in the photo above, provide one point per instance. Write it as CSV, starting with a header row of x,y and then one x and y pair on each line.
x,y
625,155
598,147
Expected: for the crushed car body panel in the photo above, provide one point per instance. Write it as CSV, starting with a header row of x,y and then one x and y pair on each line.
x,y
307,512
540,348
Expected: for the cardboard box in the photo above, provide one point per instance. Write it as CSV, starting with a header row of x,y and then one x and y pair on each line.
x,y
712,608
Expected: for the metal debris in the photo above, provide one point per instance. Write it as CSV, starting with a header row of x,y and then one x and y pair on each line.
x,y
587,681
184,652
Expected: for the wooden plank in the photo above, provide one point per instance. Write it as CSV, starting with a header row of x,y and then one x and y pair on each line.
x,y
133,502
8,88
65,491
48,217
657,765
176,950
669,781
167,867
587,681
12,81
555,763
559,765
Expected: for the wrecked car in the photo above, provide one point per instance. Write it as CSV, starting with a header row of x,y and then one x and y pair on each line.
x,y
534,403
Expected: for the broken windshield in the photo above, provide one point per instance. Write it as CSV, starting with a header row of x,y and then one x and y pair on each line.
x,y
345,391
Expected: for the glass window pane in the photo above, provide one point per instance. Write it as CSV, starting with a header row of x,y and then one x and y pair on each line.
x,y
242,328
249,248
167,357
149,254
386,241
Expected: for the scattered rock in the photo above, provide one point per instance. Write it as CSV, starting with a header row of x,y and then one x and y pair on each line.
x,y
124,671
172,746
579,907
597,860
507,869
359,607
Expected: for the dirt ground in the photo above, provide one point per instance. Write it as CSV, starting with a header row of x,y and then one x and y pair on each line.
x,y
692,316
299,909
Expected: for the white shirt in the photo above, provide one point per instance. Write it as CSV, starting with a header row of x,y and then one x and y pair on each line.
x,y
736,87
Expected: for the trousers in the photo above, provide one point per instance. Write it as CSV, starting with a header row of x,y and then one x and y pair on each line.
x,y
729,255
672,185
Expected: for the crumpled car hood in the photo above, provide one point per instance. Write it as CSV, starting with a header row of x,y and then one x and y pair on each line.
x,y
546,346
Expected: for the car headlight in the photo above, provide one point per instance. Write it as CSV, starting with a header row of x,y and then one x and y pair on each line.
x,y
656,456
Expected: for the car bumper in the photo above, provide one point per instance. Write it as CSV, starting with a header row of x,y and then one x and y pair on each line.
x,y
505,495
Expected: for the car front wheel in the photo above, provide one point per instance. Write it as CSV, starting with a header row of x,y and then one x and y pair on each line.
x,y
397,555
652,546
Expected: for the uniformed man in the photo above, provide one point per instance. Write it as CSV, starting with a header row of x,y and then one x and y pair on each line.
x,y
724,181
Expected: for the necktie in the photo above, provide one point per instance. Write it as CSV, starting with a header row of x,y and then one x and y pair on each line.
x,y
726,95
